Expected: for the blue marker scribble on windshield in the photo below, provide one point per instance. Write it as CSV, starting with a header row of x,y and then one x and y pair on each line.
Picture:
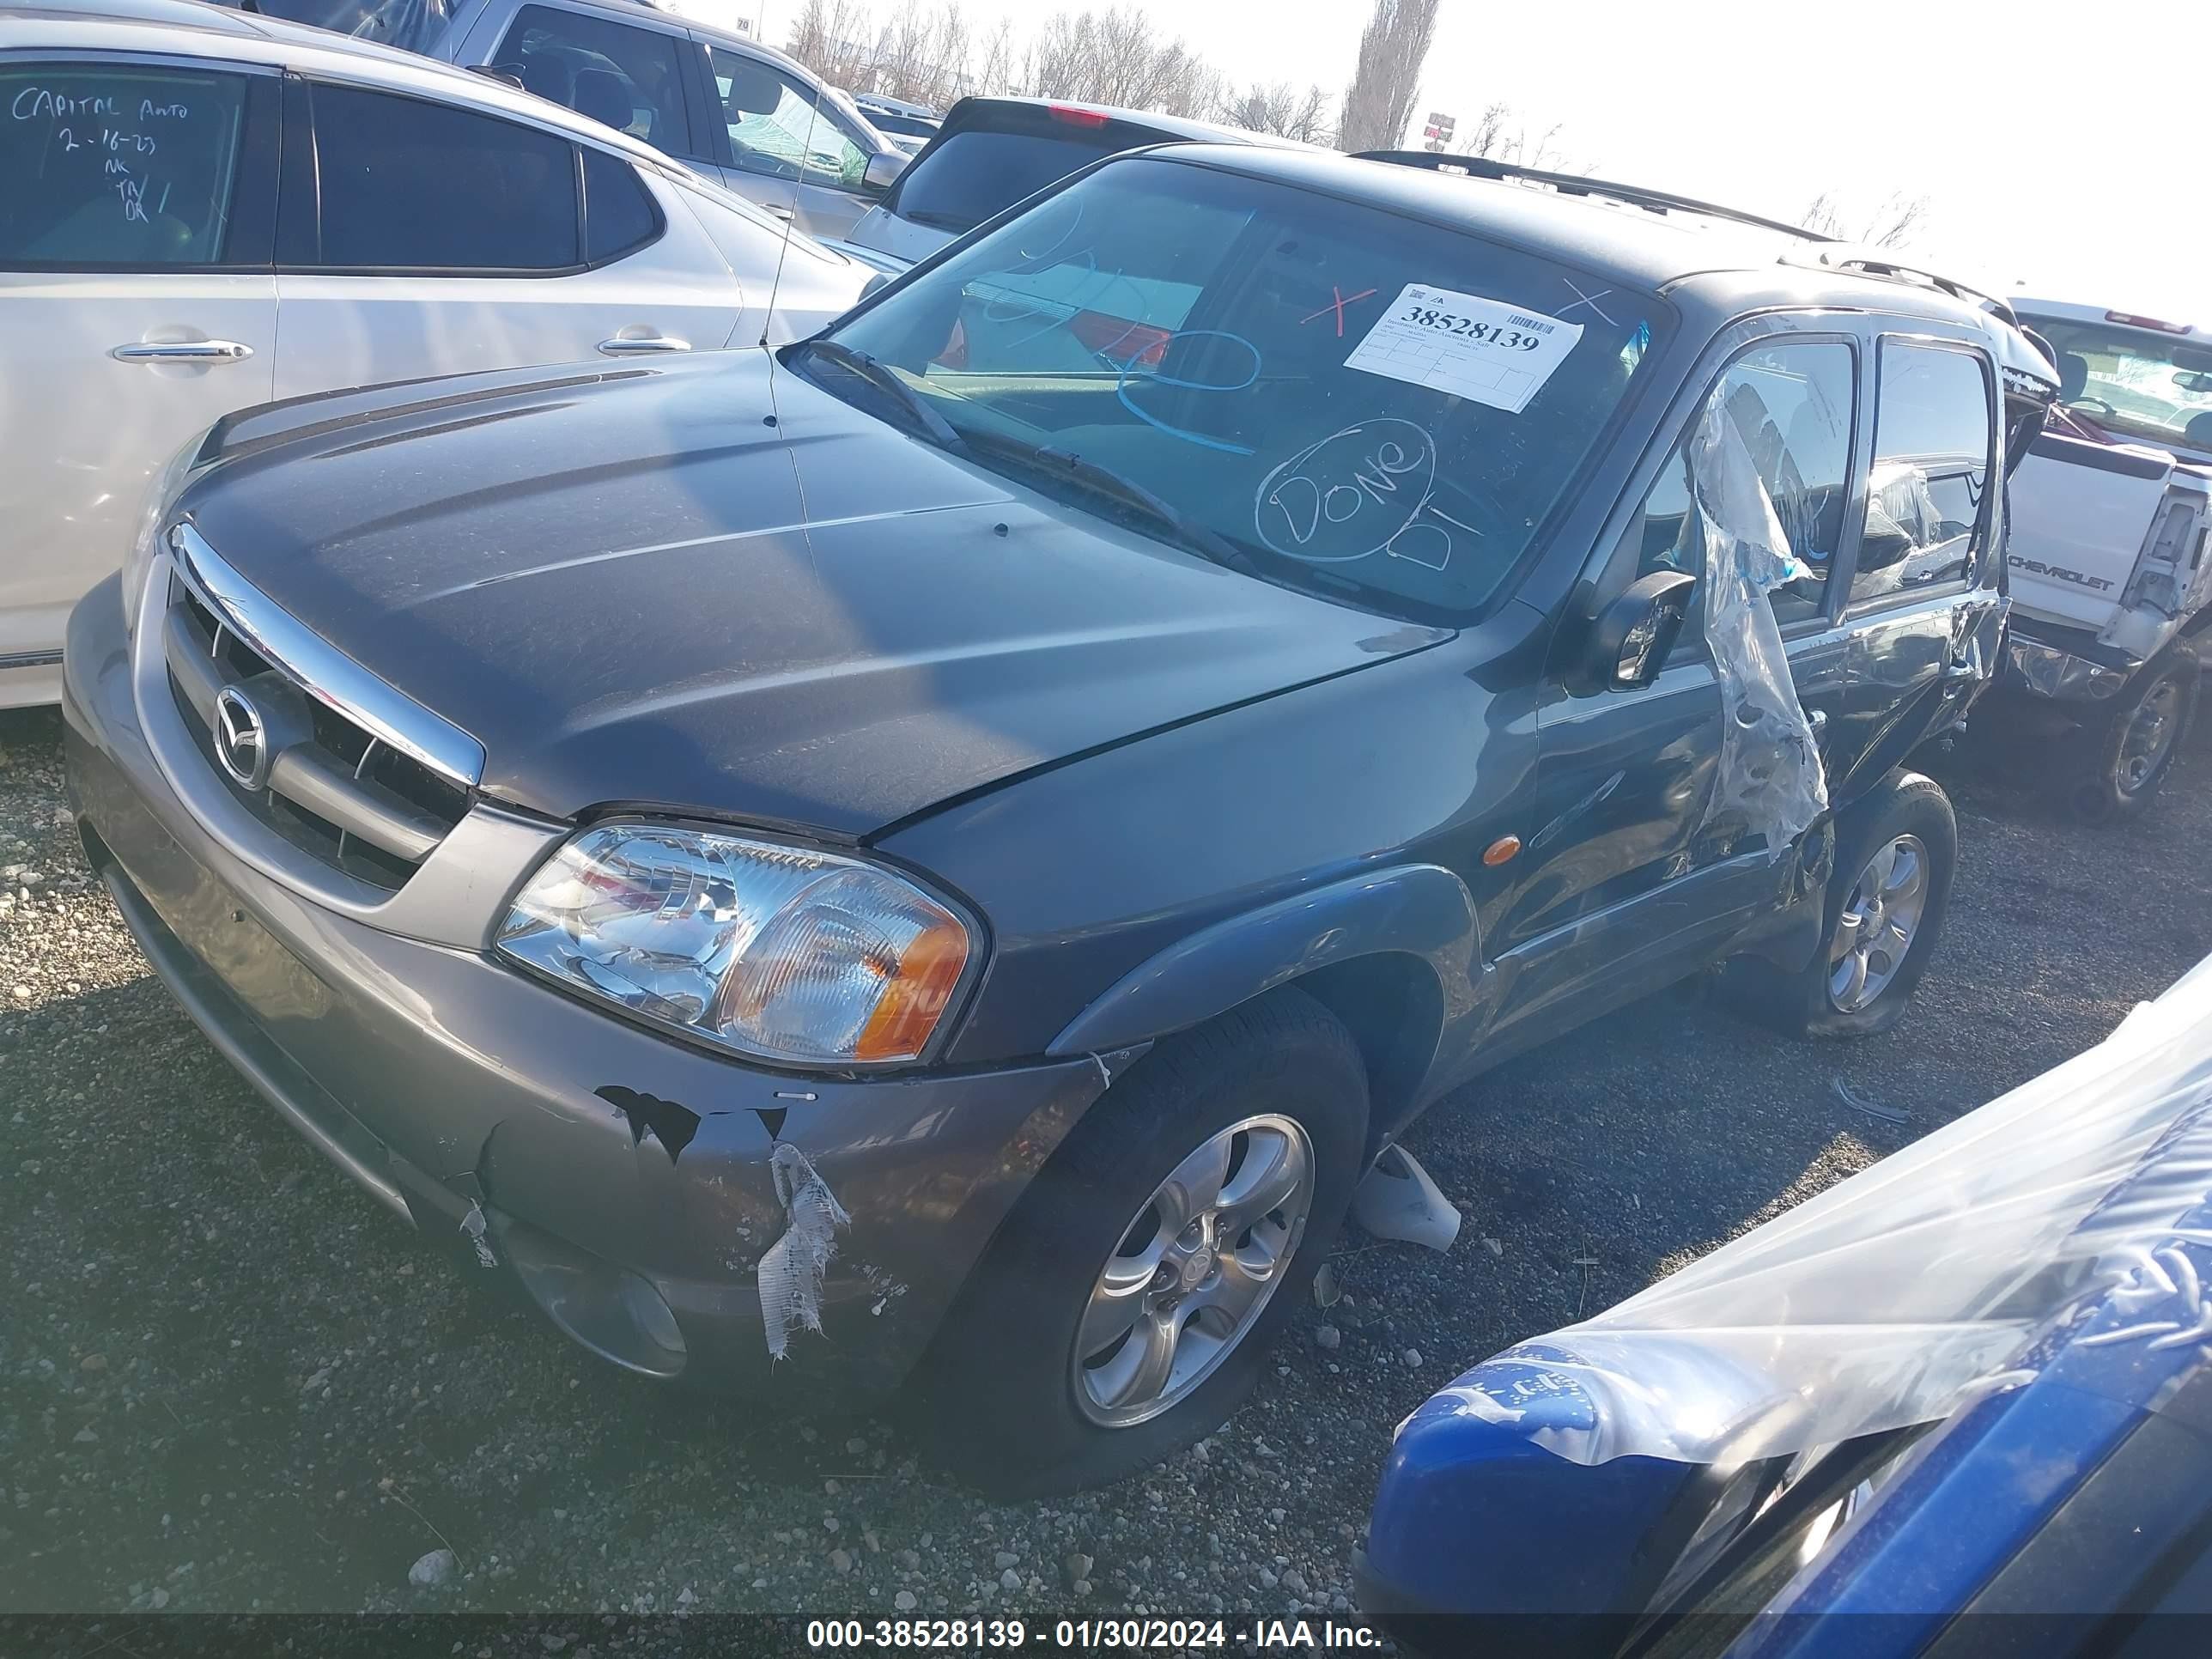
x,y
1133,372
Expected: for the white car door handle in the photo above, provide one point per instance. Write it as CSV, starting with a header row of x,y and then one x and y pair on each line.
x,y
643,345
182,351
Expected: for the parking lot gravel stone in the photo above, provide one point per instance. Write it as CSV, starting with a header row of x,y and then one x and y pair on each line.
x,y
229,1382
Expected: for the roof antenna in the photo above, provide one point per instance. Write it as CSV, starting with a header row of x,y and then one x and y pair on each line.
x,y
791,219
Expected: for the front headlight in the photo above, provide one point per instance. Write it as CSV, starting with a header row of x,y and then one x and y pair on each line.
x,y
781,952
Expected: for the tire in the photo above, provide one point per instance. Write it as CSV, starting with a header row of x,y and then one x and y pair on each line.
x,y
997,1397
2129,753
1909,812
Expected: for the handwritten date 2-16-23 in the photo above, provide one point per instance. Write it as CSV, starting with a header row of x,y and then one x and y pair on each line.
x,y
1510,340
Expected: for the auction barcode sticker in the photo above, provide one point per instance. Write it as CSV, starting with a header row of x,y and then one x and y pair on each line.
x,y
1462,344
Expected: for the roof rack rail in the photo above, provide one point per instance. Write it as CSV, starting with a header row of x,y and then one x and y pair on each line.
x,y
1574,184
1829,252
1884,262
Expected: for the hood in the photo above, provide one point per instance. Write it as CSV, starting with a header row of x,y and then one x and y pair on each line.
x,y
632,589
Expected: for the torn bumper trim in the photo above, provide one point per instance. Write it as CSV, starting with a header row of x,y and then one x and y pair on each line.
x,y
2048,672
621,1180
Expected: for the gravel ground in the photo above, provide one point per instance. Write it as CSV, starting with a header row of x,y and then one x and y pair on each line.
x,y
228,1381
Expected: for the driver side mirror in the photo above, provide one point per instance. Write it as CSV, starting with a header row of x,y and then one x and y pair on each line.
x,y
1636,633
883,169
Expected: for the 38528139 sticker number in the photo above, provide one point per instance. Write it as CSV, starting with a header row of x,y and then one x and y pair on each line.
x,y
1471,347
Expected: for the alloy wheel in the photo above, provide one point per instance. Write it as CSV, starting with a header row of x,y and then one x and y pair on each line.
x,y
1194,1271
2148,738
1875,930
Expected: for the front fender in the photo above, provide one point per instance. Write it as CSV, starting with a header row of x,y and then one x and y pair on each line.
x,y
1417,909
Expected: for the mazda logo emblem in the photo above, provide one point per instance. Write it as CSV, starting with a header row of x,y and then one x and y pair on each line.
x,y
241,740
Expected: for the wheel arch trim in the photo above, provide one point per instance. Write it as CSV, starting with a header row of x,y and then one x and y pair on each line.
x,y
1418,911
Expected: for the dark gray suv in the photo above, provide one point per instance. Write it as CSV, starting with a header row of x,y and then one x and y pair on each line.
x,y
938,856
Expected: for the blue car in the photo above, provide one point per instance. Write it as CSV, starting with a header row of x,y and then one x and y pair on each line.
x,y
1973,1380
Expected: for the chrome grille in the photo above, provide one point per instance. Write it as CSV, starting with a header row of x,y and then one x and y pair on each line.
x,y
347,786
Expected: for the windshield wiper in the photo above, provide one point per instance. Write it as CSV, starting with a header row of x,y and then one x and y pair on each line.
x,y
952,222
879,374
1182,529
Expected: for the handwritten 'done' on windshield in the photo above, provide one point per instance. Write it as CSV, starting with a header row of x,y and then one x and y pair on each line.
x,y
116,137
1368,488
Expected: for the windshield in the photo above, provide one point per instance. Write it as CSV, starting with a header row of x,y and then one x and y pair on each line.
x,y
1355,402
974,175
2131,382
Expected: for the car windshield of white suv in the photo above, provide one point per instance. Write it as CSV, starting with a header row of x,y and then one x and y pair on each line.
x,y
2131,383
1325,394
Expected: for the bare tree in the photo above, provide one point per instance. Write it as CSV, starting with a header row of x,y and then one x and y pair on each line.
x,y
833,38
1499,134
1280,109
922,55
1114,56
1822,217
995,66
1379,102
1896,222
1892,224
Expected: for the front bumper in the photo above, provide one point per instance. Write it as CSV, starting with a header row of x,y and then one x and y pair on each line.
x,y
468,1097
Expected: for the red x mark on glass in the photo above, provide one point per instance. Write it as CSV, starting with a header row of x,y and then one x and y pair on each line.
x,y
1337,305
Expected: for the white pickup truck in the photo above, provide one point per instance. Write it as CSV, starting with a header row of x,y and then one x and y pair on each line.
x,y
2110,554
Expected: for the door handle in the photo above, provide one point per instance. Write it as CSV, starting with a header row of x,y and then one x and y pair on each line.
x,y
1965,666
643,345
783,213
182,351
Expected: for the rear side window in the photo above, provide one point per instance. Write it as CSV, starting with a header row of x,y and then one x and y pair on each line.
x,y
782,128
1791,405
973,175
408,184
1931,470
619,215
632,79
117,167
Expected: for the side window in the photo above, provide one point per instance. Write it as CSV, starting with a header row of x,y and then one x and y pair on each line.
x,y
775,127
619,212
1931,469
1791,405
630,78
413,186
120,166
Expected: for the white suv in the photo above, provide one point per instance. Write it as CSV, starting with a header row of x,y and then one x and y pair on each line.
x,y
724,105
207,210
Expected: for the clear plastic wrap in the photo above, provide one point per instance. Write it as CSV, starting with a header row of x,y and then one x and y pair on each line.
x,y
1898,1295
1769,766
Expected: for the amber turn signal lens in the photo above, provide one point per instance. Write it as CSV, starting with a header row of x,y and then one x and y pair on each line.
x,y
1501,850
919,988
